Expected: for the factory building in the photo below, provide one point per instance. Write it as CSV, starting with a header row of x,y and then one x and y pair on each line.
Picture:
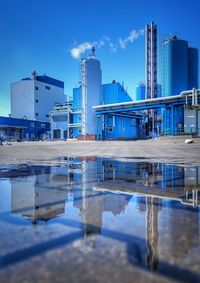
x,y
34,97
22,129
116,126
60,118
179,73
90,93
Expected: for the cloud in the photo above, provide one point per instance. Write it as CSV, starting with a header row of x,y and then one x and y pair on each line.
x,y
133,35
77,51
113,47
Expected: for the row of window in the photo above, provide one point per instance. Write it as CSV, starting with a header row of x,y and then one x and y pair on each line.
x,y
46,87
42,125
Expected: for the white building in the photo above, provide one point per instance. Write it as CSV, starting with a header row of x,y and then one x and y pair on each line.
x,y
33,98
91,80
60,118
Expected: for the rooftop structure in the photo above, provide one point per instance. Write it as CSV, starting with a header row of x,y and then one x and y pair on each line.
x,y
34,97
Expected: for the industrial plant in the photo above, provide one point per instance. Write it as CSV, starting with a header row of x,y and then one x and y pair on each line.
x,y
99,111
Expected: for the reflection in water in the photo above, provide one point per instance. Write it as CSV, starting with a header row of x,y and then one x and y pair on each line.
x,y
98,187
152,257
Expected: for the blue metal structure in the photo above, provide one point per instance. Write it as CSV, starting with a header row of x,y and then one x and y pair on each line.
x,y
193,62
179,66
19,129
76,106
172,110
112,126
140,91
114,92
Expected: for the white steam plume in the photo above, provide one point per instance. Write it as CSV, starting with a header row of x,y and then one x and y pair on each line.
x,y
80,49
130,38
77,51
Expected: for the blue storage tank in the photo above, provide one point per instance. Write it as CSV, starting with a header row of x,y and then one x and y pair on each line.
x,y
193,61
175,66
140,91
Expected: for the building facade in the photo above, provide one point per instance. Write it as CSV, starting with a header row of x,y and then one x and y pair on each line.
x,y
60,118
34,97
22,129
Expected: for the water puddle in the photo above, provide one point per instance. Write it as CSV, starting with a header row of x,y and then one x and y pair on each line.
x,y
98,219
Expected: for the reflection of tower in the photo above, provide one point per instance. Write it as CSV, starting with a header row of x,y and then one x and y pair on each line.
x,y
151,68
92,203
152,257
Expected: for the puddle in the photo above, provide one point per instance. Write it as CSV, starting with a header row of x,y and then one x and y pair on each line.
x,y
98,219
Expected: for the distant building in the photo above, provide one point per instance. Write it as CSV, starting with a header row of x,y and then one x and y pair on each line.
x,y
140,91
34,97
22,129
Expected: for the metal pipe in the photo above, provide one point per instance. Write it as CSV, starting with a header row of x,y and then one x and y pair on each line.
x,y
147,101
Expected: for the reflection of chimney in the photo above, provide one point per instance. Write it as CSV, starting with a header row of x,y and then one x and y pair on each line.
x,y
152,256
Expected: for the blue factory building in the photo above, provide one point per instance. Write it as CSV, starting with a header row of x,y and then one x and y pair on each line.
x,y
117,126
22,129
114,127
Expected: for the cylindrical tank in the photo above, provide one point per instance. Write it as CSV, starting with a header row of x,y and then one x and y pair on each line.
x,y
193,67
140,92
175,66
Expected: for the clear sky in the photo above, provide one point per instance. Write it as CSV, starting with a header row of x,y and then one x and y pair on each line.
x,y
41,34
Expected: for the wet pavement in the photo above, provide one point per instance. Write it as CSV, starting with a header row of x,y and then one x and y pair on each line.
x,y
99,220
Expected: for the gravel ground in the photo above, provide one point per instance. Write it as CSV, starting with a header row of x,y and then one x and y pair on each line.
x,y
167,149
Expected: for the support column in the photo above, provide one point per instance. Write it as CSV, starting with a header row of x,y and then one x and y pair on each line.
x,y
172,120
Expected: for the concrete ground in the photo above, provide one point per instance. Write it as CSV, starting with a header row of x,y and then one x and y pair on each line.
x,y
166,149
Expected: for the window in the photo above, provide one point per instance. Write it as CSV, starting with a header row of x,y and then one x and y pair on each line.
x,y
47,115
36,100
47,87
32,125
79,131
36,87
43,126
36,114
59,118
56,134
110,129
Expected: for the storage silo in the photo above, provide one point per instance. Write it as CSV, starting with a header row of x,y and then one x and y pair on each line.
x,y
140,91
193,61
174,66
91,80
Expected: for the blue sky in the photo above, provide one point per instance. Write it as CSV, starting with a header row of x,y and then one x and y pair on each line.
x,y
36,34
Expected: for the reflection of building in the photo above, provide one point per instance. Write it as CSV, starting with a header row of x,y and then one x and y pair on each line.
x,y
37,197
161,180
